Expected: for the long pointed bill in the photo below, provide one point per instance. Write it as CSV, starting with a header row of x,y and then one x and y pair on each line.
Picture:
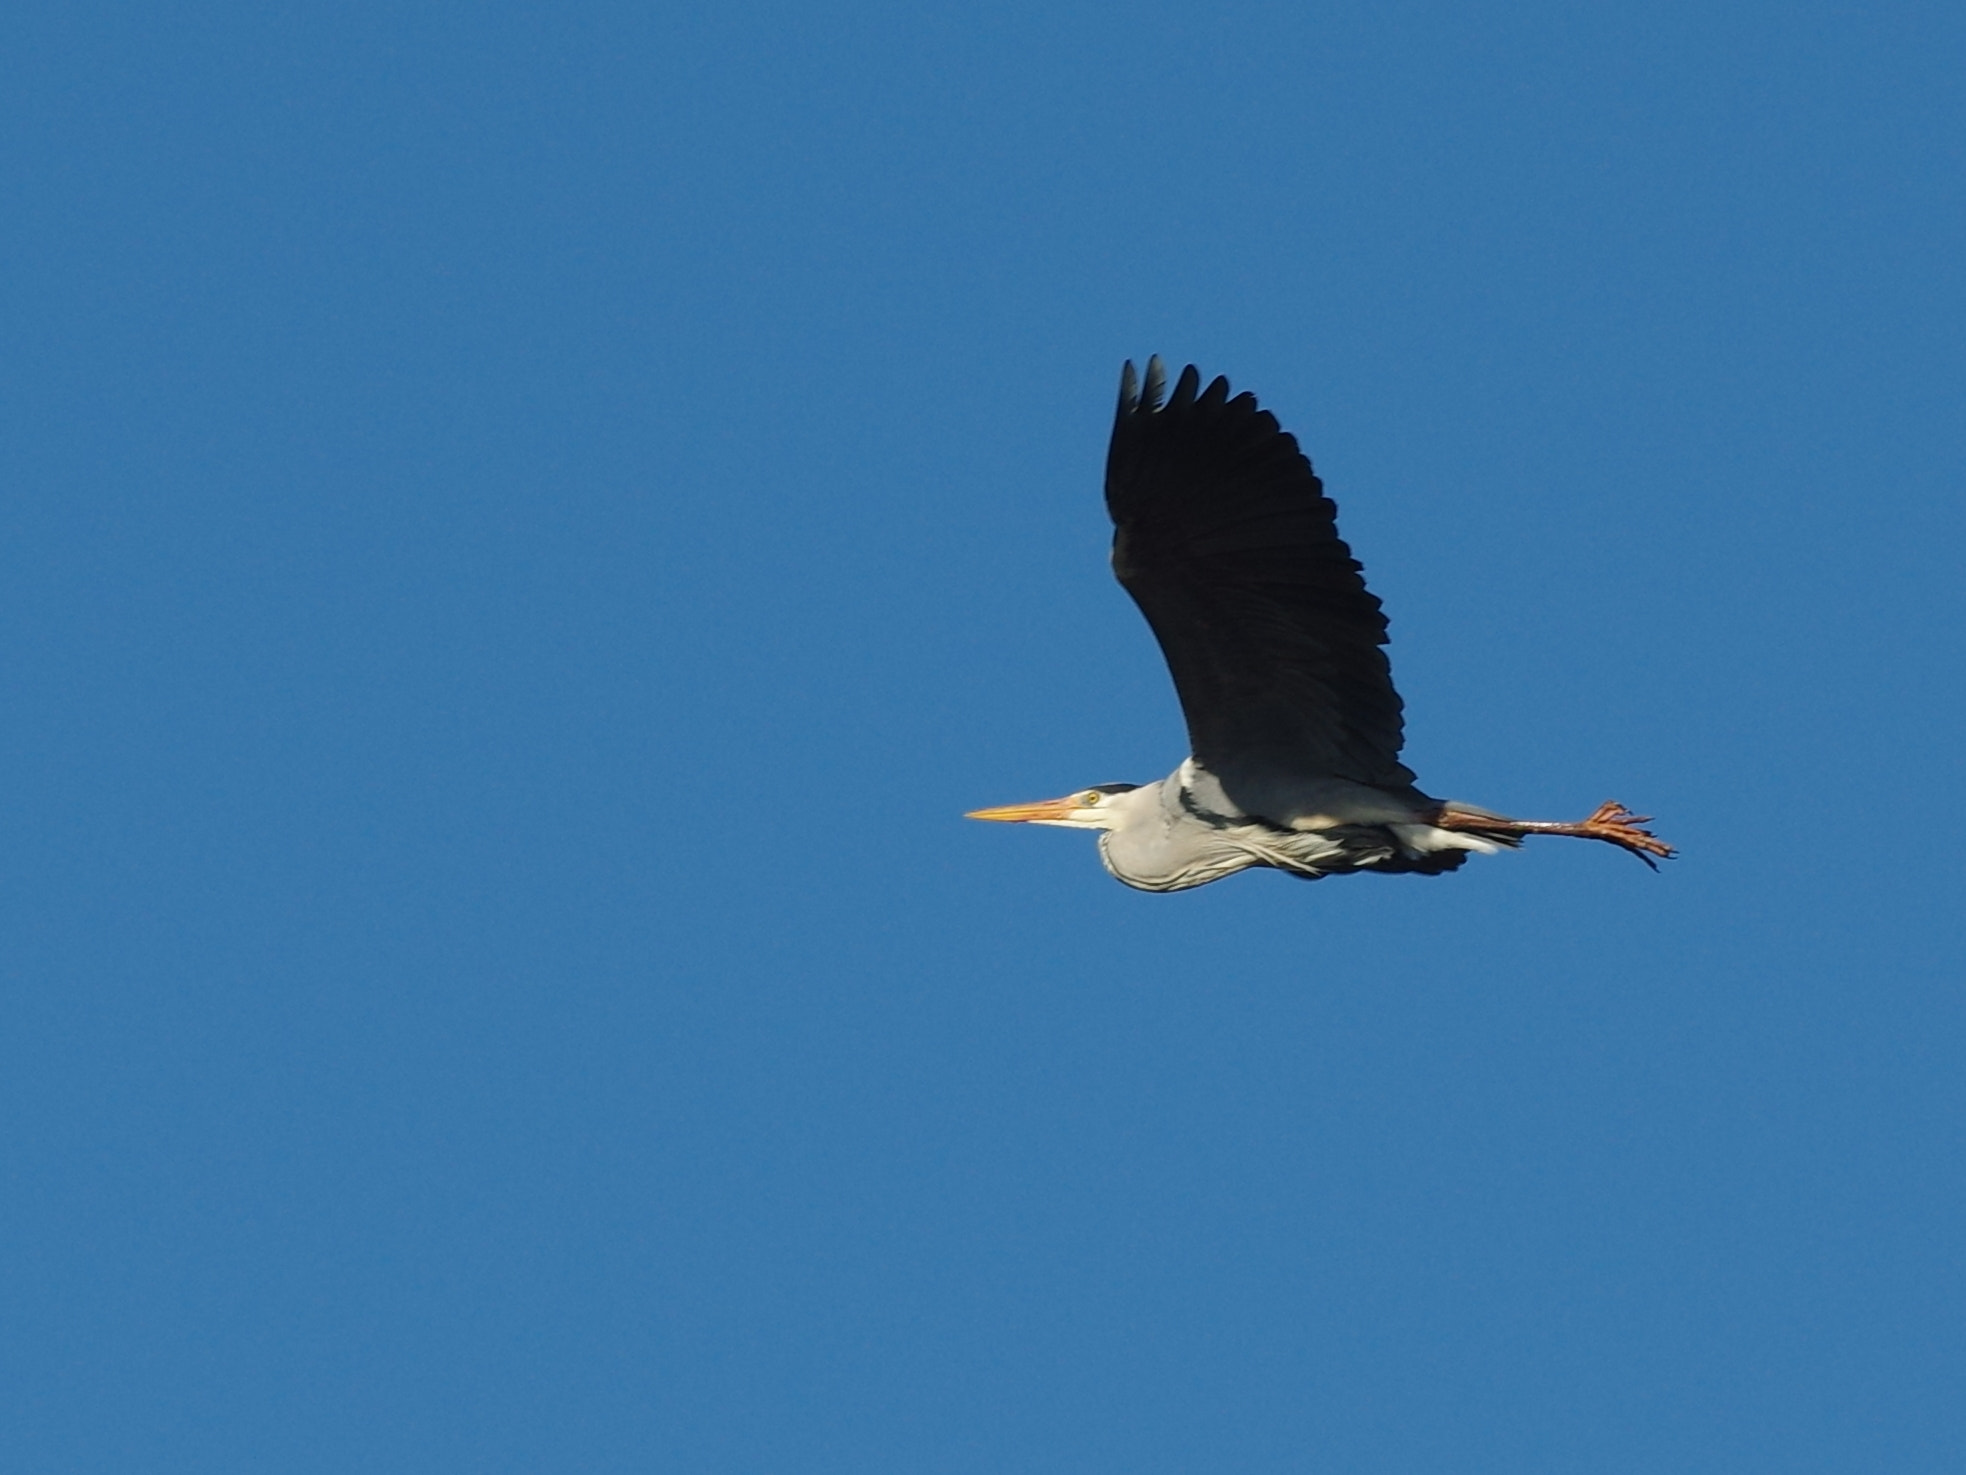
x,y
1025,813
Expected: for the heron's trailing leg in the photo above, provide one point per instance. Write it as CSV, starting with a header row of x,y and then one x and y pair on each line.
x,y
1610,821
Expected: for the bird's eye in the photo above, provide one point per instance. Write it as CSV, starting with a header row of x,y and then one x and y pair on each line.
x,y
1092,798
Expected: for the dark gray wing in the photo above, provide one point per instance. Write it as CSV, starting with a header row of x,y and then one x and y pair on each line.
x,y
1226,541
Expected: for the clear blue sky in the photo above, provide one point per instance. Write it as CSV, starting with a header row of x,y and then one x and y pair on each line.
x,y
526,526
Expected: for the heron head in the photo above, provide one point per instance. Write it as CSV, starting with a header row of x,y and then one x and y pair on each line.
x,y
1084,809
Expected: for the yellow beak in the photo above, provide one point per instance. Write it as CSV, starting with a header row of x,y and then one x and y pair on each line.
x,y
1023,813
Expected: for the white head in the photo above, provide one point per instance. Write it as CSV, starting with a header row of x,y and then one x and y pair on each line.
x,y
1102,807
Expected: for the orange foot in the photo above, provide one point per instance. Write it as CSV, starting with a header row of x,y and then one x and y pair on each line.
x,y
1613,822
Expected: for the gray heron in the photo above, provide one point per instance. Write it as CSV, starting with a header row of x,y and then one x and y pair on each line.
x,y
1226,541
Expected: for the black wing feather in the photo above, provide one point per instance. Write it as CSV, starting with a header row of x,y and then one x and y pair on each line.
x,y
1226,541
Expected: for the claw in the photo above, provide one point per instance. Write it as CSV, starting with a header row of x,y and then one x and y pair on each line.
x,y
1613,822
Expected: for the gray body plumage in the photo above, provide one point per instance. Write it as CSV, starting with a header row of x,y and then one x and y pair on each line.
x,y
1185,831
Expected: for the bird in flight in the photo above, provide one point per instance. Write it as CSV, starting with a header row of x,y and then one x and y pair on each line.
x,y
1226,541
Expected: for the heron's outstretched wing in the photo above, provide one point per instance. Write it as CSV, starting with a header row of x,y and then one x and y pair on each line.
x,y
1226,541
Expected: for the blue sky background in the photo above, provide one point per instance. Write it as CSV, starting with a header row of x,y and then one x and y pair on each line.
x,y
525,527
